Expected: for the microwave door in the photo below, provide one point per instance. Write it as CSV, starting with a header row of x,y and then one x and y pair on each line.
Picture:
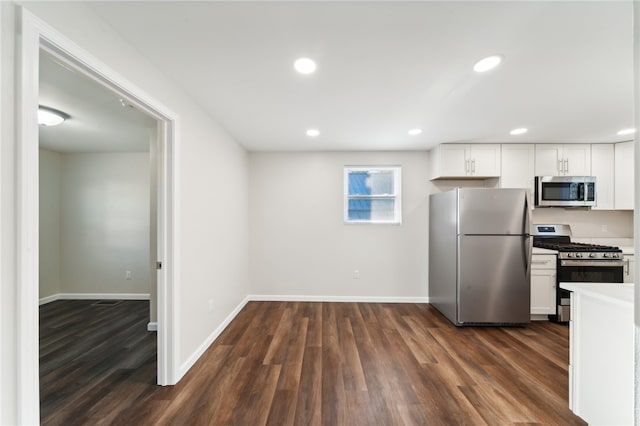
x,y
565,191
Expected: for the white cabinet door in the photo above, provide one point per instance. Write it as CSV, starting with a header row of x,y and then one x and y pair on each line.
x,y
623,198
548,160
563,160
577,159
629,267
465,161
517,166
454,159
485,160
543,284
602,166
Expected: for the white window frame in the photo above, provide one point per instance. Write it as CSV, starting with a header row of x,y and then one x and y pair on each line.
x,y
396,196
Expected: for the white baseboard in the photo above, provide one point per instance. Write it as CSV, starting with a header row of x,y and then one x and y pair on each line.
x,y
186,366
539,317
48,299
359,299
152,326
94,296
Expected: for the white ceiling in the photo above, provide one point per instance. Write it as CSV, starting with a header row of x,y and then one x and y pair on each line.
x,y
99,122
387,67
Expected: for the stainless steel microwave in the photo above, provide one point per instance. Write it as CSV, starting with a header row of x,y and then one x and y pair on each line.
x,y
565,191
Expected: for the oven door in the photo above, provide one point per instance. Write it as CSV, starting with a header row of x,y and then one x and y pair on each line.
x,y
591,271
588,271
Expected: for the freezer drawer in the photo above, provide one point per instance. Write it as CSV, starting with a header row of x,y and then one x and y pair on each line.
x,y
494,279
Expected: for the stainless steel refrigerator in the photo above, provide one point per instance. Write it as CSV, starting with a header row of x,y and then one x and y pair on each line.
x,y
480,256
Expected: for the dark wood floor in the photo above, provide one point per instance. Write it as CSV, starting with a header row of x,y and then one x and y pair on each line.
x,y
306,364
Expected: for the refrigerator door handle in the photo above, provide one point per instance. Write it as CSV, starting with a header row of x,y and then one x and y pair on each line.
x,y
528,247
527,215
528,241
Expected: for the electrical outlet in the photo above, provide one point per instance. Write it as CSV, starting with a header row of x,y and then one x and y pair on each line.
x,y
356,274
604,228
127,275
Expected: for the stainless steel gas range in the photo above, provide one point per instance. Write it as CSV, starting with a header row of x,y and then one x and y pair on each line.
x,y
577,262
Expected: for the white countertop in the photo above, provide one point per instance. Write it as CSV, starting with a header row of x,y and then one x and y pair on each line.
x,y
627,250
607,291
538,250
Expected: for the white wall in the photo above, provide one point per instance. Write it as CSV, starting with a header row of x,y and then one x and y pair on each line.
x,y
300,246
212,234
50,247
105,223
589,223
94,223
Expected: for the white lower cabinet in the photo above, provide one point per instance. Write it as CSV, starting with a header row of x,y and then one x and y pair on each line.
x,y
601,353
543,284
629,267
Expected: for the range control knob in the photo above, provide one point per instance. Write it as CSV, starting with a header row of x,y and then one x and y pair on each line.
x,y
592,255
570,254
578,254
606,255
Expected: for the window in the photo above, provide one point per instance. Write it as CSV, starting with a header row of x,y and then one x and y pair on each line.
x,y
372,195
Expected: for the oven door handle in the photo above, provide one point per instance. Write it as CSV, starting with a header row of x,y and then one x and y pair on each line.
x,y
605,263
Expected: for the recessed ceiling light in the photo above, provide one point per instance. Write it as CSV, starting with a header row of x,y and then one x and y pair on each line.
x,y
304,65
519,131
627,131
313,133
488,63
414,132
51,117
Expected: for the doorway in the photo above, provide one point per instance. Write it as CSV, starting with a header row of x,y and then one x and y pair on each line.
x,y
37,36
96,242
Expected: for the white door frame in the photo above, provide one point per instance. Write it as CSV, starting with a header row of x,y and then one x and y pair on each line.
x,y
34,35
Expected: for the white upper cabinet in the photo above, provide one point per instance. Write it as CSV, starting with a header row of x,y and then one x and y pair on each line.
x,y
623,176
517,166
602,166
465,161
563,160
485,160
452,159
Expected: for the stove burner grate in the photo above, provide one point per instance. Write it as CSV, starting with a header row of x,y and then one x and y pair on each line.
x,y
570,246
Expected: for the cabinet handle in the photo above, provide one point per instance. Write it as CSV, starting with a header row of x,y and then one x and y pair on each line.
x,y
566,166
626,267
473,166
560,167
540,262
466,166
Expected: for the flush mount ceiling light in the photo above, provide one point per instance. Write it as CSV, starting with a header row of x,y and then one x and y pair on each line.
x,y
312,133
626,131
50,116
488,63
414,132
519,131
304,65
